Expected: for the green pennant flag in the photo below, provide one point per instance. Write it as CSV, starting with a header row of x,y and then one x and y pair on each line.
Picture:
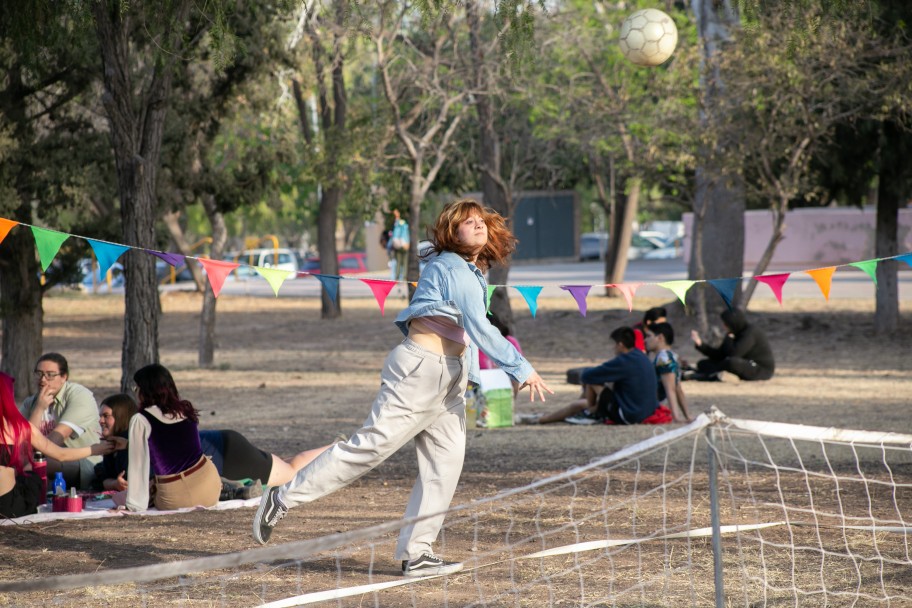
x,y
490,294
870,268
274,276
679,288
48,243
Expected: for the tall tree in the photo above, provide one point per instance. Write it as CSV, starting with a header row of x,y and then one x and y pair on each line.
x,y
140,45
425,93
46,113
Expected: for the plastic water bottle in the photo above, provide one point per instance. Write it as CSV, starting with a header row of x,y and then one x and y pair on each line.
x,y
39,467
60,486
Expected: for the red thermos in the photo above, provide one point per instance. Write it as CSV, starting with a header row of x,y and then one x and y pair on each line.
x,y
39,467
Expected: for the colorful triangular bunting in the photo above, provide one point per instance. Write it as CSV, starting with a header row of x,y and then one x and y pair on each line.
x,y
530,295
274,276
824,279
869,267
775,282
726,288
330,283
907,258
679,288
106,254
5,227
381,290
48,243
217,271
579,293
174,259
489,295
628,290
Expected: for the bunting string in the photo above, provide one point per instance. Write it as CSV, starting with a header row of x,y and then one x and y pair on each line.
x,y
48,243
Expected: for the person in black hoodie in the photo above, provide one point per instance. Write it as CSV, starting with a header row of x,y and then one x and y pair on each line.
x,y
744,352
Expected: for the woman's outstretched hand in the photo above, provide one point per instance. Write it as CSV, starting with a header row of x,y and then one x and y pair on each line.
x,y
536,386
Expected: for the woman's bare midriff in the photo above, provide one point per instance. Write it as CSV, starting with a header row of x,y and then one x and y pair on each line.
x,y
420,334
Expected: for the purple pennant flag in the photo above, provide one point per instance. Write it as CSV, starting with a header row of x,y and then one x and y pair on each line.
x,y
175,259
579,293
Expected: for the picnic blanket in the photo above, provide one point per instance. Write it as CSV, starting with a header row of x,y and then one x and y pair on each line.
x,y
96,509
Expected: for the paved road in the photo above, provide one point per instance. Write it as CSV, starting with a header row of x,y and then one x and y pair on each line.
x,y
847,283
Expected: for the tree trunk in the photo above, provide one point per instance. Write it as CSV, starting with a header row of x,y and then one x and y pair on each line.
x,y
207,340
622,229
20,306
172,222
489,159
766,258
137,126
326,243
886,313
719,196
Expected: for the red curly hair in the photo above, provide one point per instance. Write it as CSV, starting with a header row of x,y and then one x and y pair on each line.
x,y
501,242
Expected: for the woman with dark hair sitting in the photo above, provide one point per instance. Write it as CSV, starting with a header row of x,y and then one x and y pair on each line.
x,y
164,439
114,415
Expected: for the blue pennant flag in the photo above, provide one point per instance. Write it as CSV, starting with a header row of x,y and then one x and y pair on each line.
x,y
106,254
330,284
530,295
726,289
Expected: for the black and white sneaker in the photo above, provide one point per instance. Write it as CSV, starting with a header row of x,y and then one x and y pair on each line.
x,y
429,564
270,512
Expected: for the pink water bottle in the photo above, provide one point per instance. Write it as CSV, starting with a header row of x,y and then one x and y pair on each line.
x,y
39,467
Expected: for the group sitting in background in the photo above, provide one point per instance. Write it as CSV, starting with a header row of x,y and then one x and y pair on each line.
x,y
180,465
744,353
622,390
21,488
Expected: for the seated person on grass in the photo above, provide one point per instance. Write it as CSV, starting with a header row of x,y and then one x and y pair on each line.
x,y
744,354
659,338
630,399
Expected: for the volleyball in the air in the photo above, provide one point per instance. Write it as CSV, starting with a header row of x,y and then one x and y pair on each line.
x,y
648,37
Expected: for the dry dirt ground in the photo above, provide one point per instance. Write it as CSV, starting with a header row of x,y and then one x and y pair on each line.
x,y
289,381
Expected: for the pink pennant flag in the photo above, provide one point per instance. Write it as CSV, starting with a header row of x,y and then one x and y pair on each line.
x,y
824,278
628,289
217,271
579,293
381,290
5,227
775,282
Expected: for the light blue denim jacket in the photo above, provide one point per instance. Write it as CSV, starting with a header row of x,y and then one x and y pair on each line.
x,y
455,289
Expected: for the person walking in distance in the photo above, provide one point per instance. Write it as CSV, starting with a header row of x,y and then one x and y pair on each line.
x,y
423,384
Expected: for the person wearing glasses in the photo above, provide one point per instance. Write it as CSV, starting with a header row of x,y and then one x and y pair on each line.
x,y
67,414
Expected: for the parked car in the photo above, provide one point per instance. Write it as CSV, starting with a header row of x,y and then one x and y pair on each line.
x,y
92,280
350,262
672,249
644,242
593,246
281,259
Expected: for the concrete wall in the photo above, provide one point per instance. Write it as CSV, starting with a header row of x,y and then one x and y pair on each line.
x,y
814,237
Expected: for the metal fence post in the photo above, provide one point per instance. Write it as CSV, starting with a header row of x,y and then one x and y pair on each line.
x,y
714,516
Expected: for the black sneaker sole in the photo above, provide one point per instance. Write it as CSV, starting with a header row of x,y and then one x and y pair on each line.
x,y
262,532
433,570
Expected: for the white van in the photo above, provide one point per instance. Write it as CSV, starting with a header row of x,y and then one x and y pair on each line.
x,y
281,259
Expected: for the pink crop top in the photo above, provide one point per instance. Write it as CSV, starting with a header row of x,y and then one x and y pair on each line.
x,y
445,328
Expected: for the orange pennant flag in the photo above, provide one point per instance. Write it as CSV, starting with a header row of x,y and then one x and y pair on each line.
x,y
5,227
217,271
824,278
